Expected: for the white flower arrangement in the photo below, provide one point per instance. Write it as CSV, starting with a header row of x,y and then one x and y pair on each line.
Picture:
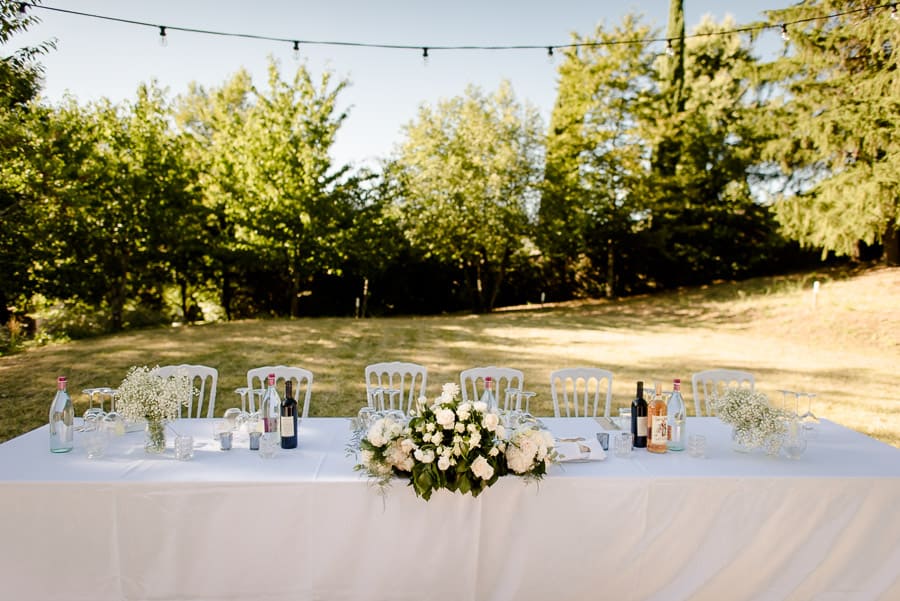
x,y
144,395
459,446
756,423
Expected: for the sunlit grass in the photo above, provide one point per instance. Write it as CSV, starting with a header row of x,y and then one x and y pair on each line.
x,y
846,348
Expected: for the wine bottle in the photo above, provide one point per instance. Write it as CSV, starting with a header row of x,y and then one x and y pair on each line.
x,y
658,419
639,418
270,408
288,417
677,418
62,419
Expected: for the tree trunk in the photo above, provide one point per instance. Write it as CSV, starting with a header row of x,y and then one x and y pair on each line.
x,y
891,243
610,269
182,284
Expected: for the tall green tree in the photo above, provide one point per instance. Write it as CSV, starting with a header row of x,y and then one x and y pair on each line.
x,y
19,84
838,120
595,156
469,168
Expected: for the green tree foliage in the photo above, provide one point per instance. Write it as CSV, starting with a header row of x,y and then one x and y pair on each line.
x,y
838,118
468,171
595,157
703,221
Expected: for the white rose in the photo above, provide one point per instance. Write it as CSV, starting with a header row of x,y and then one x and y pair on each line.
x,y
426,456
460,427
491,421
500,431
445,418
494,452
375,435
482,468
462,415
457,450
479,406
517,461
437,438
429,427
443,463
474,440
407,445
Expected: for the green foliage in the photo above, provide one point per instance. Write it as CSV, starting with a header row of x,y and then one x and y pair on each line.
x,y
468,171
836,107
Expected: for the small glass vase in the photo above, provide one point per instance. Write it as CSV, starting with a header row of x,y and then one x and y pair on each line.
x,y
155,436
737,445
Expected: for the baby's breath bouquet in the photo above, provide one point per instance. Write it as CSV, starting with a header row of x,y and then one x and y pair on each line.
x,y
756,423
144,395
459,446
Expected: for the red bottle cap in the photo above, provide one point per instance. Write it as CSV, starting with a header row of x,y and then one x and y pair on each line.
x,y
271,379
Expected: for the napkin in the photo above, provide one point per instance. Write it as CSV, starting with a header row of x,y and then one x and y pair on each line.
x,y
578,449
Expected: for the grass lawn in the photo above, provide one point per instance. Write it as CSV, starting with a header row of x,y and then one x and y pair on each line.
x,y
846,348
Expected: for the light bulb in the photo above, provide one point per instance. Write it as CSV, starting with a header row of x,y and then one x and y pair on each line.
x,y
894,12
550,54
163,40
22,7
784,33
425,56
670,51
296,51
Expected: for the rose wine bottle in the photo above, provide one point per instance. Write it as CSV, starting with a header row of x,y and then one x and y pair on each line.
x,y
657,422
270,408
288,417
677,418
639,418
62,419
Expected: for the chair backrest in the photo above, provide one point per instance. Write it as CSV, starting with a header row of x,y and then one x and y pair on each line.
x,y
579,391
471,382
256,379
204,378
708,385
407,378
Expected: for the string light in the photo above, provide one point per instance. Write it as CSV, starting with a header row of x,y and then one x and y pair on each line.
x,y
22,8
550,54
425,56
296,50
163,40
892,6
670,51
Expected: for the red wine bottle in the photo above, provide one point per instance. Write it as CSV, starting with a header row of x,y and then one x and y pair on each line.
x,y
639,418
288,417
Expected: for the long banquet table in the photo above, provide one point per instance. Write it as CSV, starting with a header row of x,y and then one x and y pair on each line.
x,y
304,525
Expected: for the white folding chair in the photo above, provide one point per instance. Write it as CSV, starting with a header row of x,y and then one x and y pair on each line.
x,y
256,379
707,386
204,378
471,382
395,379
579,390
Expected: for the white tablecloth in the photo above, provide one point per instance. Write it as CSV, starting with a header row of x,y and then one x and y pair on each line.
x,y
304,525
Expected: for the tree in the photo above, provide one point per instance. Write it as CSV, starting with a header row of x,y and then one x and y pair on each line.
x,y
19,84
594,159
468,169
838,116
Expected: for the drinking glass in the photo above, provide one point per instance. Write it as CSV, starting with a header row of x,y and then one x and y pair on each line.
x,y
697,446
624,421
231,416
794,443
95,441
225,438
525,402
184,447
623,445
268,444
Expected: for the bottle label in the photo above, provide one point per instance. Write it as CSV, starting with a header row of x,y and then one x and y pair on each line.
x,y
659,430
287,427
642,426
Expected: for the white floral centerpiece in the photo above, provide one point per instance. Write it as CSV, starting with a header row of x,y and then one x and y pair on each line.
x,y
459,446
754,421
145,396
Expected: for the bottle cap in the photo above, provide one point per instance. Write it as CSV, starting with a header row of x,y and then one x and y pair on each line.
x,y
61,383
488,381
271,379
676,383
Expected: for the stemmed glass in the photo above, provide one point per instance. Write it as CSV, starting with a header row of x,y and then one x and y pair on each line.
x,y
93,416
808,419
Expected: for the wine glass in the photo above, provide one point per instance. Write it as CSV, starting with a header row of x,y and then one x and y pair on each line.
x,y
525,403
808,419
93,415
